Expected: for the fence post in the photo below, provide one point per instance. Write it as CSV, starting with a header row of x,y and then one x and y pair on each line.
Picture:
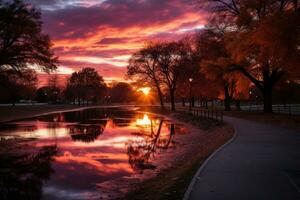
x,y
222,116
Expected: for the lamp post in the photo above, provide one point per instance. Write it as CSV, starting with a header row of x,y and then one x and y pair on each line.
x,y
190,81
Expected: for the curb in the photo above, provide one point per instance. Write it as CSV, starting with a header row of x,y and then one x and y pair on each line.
x,y
196,176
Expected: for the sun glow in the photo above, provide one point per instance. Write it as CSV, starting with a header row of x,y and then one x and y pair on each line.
x,y
145,90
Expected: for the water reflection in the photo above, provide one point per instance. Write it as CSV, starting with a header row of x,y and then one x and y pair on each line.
x,y
85,133
97,148
140,152
22,173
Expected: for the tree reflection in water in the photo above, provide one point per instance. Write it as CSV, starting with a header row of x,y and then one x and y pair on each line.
x,y
86,132
22,174
140,152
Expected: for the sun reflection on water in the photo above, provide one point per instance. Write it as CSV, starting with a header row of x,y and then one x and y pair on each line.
x,y
145,121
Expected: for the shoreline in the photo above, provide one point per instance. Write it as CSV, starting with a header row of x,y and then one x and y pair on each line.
x,y
172,183
10,113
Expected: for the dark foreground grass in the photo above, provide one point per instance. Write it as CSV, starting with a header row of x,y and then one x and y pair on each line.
x,y
171,183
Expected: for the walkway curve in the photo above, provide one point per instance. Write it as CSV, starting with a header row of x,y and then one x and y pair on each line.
x,y
261,162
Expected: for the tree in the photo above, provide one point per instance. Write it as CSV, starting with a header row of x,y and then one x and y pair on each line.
x,y
53,89
217,65
121,92
200,86
18,86
263,38
172,60
21,40
85,86
143,66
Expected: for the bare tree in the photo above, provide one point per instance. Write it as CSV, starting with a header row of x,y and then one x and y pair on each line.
x,y
172,61
143,66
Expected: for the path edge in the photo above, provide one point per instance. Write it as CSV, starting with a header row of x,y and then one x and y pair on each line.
x,y
195,178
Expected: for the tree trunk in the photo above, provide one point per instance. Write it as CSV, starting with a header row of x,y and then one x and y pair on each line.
x,y
227,100
267,93
172,97
270,78
193,102
238,104
161,98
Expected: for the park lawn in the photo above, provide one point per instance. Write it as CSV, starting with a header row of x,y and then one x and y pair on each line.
x,y
283,120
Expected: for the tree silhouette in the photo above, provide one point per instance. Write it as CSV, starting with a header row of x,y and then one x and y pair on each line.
x,y
15,86
21,40
85,85
173,59
143,66
121,92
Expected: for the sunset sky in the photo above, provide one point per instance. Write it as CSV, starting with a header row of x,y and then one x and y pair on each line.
x,y
104,33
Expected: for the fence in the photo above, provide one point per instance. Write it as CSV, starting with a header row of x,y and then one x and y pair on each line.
x,y
290,109
216,115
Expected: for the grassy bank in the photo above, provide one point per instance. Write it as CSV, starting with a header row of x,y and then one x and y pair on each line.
x,y
173,182
8,113
283,120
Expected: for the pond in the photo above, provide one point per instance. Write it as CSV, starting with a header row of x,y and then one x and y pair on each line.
x,y
84,154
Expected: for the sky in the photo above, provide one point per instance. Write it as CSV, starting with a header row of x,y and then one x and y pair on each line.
x,y
104,33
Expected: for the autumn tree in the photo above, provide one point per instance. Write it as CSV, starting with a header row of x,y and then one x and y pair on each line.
x,y
85,86
22,42
263,39
143,67
200,87
217,64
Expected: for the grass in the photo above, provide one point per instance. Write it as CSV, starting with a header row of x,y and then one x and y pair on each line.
x,y
283,120
8,113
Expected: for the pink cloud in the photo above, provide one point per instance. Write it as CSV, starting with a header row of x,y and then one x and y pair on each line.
x,y
103,34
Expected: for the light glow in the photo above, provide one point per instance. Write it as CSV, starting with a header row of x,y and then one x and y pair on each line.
x,y
145,90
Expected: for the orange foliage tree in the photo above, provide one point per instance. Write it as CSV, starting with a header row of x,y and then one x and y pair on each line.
x,y
262,38
216,65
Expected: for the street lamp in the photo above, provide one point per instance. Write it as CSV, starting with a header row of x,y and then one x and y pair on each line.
x,y
190,105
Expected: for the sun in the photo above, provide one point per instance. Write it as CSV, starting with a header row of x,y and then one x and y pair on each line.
x,y
145,90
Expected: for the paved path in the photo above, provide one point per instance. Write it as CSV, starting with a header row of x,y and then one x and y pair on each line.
x,y
261,163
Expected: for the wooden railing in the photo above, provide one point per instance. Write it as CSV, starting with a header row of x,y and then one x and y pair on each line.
x,y
216,115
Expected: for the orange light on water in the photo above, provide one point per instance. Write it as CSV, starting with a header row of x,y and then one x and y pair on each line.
x,y
143,122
